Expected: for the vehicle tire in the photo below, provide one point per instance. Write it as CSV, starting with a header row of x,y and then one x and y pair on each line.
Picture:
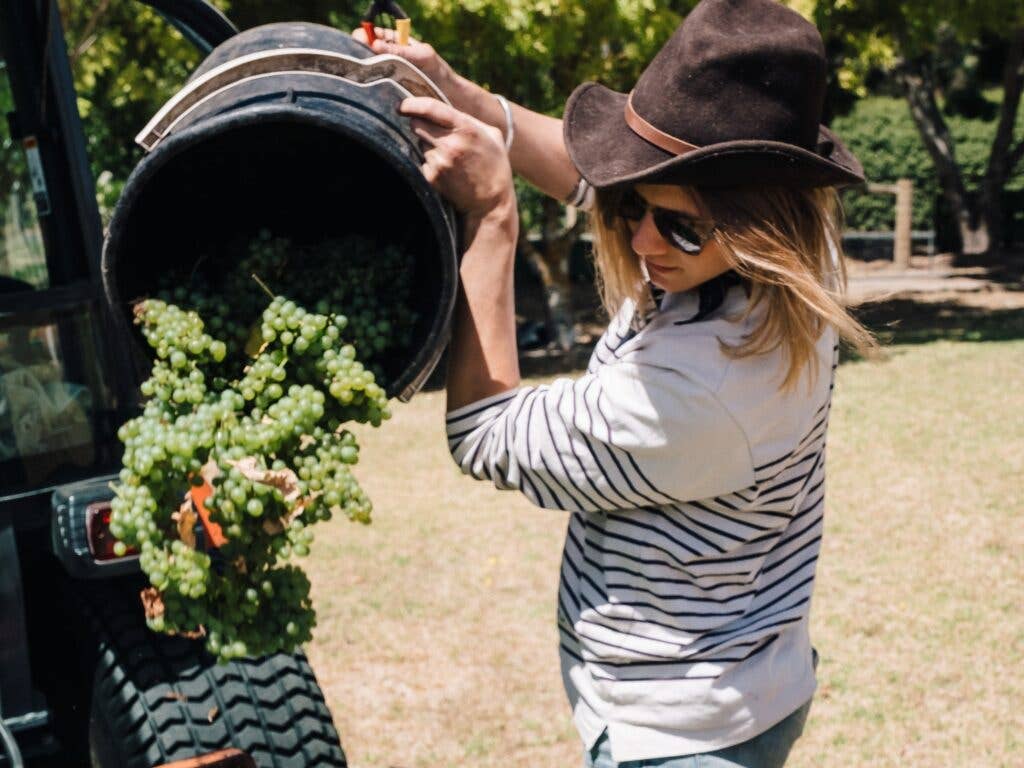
x,y
157,699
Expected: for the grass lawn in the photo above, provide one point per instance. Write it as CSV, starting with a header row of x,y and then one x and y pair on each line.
x,y
436,643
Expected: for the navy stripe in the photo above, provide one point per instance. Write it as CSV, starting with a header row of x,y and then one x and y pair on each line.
x,y
565,469
583,467
713,529
609,448
652,545
746,624
629,456
799,443
807,478
481,409
727,643
671,566
555,501
732,518
680,675
682,662
460,435
596,608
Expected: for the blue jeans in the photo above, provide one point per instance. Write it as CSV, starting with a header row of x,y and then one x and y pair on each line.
x,y
767,750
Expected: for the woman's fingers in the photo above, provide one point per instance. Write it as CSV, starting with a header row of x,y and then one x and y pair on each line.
x,y
463,158
432,110
431,169
390,36
428,131
380,33
415,51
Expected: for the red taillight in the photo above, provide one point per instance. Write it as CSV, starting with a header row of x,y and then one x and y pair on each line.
x,y
97,528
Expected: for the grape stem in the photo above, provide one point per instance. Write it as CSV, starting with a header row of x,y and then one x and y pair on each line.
x,y
262,285
195,268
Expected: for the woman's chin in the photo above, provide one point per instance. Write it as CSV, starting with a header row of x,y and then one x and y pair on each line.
x,y
671,281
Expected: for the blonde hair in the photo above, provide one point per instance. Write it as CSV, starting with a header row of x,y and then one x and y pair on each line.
x,y
780,241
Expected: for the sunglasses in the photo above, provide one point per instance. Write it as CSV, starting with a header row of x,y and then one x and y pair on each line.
x,y
680,230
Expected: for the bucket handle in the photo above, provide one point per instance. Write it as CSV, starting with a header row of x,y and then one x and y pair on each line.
x,y
363,72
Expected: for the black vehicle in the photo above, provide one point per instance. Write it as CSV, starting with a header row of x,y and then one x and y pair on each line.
x,y
82,681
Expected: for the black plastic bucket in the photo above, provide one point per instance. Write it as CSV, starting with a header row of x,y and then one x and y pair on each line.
x,y
284,127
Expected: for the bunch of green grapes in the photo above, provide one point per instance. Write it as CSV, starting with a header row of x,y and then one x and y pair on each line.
x,y
369,284
270,442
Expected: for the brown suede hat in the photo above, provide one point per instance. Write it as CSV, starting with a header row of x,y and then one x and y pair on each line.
x,y
734,97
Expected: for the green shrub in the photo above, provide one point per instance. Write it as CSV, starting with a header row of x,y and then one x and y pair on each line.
x,y
881,132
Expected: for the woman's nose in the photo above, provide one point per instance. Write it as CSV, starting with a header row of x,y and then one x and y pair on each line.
x,y
647,240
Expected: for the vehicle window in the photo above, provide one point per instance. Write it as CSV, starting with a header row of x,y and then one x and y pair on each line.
x,y
53,402
126,61
22,256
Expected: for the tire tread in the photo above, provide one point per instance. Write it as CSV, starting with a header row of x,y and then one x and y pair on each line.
x,y
158,694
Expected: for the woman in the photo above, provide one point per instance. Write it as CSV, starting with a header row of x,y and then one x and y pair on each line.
x,y
692,451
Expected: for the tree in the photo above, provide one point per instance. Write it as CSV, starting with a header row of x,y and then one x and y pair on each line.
x,y
126,61
921,43
536,52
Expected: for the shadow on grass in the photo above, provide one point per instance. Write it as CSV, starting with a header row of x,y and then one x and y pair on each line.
x,y
907,321
899,320
894,321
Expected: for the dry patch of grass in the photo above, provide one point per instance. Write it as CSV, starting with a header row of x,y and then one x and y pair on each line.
x,y
436,644
917,612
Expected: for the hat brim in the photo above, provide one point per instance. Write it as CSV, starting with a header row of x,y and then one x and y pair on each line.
x,y
607,152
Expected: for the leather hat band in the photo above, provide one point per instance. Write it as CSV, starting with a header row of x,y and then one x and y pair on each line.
x,y
654,135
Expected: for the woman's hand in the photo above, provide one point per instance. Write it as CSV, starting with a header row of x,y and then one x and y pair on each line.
x,y
464,159
420,54
538,154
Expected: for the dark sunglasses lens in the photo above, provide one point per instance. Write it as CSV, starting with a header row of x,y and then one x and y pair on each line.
x,y
632,207
680,234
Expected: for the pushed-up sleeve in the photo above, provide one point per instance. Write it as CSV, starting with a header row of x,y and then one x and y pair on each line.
x,y
627,436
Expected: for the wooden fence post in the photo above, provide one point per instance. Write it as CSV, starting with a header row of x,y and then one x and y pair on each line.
x,y
904,223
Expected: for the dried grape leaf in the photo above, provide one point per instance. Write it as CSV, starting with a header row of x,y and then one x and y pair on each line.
x,y
152,602
285,480
153,606
138,311
255,344
186,518
210,471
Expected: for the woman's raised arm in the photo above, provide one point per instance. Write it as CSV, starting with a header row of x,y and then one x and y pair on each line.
x,y
464,162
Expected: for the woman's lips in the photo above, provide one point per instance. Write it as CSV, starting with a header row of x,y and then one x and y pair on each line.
x,y
660,269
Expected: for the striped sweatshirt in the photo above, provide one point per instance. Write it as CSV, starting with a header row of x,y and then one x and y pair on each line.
x,y
696,488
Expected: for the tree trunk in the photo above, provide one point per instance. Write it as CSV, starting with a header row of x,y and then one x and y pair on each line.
x,y
551,260
980,219
1004,157
919,87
